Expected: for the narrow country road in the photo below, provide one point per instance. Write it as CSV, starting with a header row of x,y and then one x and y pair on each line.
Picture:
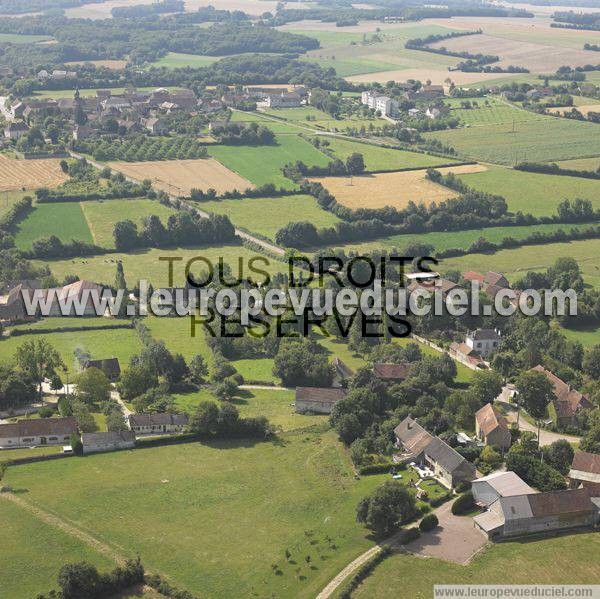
x,y
269,247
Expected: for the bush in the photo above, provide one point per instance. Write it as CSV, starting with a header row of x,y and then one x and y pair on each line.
x,y
45,412
76,444
409,535
463,504
428,523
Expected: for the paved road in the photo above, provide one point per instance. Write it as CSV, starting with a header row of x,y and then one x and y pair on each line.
x,y
269,247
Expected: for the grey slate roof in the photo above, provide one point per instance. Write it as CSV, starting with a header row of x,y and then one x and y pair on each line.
x,y
158,419
109,437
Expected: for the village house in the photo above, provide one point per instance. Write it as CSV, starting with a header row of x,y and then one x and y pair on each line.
x,y
17,110
317,400
111,441
391,372
109,366
488,489
157,424
40,431
536,513
76,293
464,353
12,306
484,341
384,104
156,126
15,130
81,132
567,402
585,472
489,278
491,427
430,92
422,448
283,100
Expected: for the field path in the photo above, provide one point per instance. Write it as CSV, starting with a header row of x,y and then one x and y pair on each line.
x,y
269,247
59,523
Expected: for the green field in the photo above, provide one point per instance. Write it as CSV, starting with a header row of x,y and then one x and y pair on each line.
x,y
32,552
263,164
581,164
378,158
118,343
496,112
251,213
277,126
256,370
539,140
195,511
513,263
175,60
145,264
560,560
457,239
8,199
533,193
102,216
64,220
57,323
587,337
17,38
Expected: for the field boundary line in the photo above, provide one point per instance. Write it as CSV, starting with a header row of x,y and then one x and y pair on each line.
x,y
69,529
89,223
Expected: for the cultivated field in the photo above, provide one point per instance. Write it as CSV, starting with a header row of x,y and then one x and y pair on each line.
x,y
534,193
101,216
378,158
251,214
65,220
513,263
118,343
116,65
536,57
293,494
30,174
490,111
146,264
559,560
581,164
583,108
436,75
180,176
391,189
9,198
174,60
539,140
263,164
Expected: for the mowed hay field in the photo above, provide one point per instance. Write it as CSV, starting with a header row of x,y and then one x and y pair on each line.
x,y
173,507
539,140
534,193
378,158
32,552
490,111
583,108
266,216
101,216
263,164
146,264
65,220
30,174
180,176
515,262
565,559
581,164
395,189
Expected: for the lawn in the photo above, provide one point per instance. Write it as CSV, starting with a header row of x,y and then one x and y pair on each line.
x,y
533,193
32,552
175,60
559,560
65,220
539,140
495,113
119,343
56,323
263,164
250,213
17,38
194,511
9,198
256,370
581,164
457,239
102,216
384,159
587,337
514,263
145,264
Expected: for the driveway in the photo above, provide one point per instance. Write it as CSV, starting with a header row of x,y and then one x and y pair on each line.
x,y
455,539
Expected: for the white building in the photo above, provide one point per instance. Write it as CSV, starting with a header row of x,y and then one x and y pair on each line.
x,y
32,433
484,341
384,104
111,441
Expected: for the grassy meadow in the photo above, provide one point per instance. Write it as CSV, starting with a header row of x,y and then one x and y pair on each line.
x,y
101,216
9,198
558,560
251,213
64,220
490,111
296,493
176,60
263,165
539,140
32,552
146,264
533,193
581,164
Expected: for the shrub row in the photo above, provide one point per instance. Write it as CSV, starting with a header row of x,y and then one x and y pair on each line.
x,y
364,571
553,169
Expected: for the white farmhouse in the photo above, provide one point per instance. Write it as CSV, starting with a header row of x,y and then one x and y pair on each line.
x,y
42,431
484,341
